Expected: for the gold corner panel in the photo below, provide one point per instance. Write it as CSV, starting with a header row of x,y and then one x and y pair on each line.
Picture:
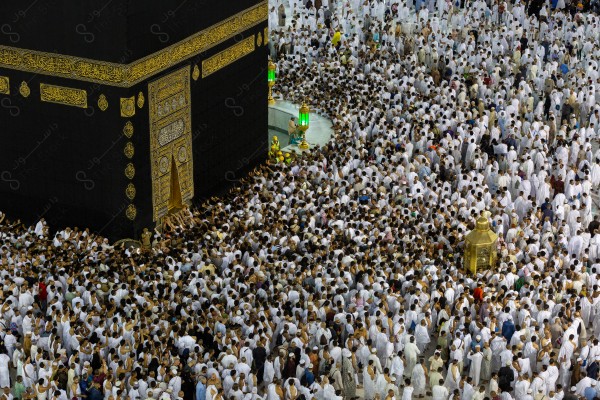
x,y
63,95
4,85
127,107
127,75
228,56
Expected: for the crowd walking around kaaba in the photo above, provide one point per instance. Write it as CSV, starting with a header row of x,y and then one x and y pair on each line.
x,y
339,275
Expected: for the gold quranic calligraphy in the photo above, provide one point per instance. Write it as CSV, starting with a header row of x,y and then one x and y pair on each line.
x,y
128,75
227,56
63,95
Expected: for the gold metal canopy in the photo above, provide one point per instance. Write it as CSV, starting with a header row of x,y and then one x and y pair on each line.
x,y
480,247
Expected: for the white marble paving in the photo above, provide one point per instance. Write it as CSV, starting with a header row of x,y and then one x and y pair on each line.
x,y
320,129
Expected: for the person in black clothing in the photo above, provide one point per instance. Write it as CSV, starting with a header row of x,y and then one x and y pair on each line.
x,y
524,42
567,110
259,356
535,7
511,142
95,393
570,395
289,371
505,378
592,369
594,225
188,387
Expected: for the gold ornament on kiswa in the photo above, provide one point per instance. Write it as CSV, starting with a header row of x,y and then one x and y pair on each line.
x,y
130,171
131,212
141,100
129,150
102,102
128,129
130,191
196,73
24,89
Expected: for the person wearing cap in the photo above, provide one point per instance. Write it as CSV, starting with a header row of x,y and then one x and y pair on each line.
x,y
175,382
476,358
505,378
348,375
313,356
308,377
590,392
571,394
421,145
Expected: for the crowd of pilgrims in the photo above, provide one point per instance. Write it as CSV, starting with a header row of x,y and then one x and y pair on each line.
x,y
340,276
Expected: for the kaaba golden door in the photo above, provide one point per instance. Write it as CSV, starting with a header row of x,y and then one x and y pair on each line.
x,y
171,142
480,247
175,200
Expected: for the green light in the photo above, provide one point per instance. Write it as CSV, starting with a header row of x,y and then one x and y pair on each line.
x,y
303,115
271,76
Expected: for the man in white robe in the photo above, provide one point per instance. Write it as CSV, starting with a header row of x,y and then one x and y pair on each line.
x,y
397,367
440,392
4,370
411,351
453,376
418,379
521,387
476,358
553,374
422,336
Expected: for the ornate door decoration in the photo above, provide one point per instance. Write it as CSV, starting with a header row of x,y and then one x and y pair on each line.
x,y
170,140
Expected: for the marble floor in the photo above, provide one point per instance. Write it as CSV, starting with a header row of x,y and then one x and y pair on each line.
x,y
284,139
319,132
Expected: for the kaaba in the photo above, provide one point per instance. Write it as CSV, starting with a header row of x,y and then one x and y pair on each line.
x,y
116,112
